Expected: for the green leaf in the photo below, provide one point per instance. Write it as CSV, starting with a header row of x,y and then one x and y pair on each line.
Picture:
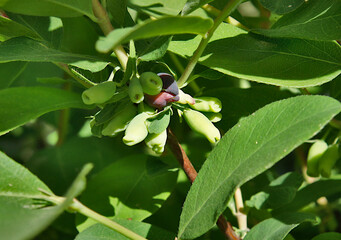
x,y
66,160
157,8
22,104
159,123
255,144
279,192
281,7
79,35
140,195
119,12
192,5
47,29
24,204
153,28
155,49
9,72
22,215
10,29
328,236
238,103
312,192
146,230
25,49
278,227
57,8
315,20
18,189
280,62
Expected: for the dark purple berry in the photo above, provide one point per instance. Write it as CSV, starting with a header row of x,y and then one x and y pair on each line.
x,y
161,100
169,84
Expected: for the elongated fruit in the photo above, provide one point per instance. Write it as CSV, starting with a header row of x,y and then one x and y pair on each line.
x,y
328,160
157,142
200,123
120,120
137,130
315,153
99,93
207,104
135,90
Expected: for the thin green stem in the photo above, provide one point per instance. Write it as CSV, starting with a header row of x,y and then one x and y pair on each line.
x,y
181,69
79,207
105,24
228,9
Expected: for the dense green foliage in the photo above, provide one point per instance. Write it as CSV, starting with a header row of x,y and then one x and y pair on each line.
x,y
100,100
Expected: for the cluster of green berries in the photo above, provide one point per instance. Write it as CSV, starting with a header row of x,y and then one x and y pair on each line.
x,y
144,113
322,158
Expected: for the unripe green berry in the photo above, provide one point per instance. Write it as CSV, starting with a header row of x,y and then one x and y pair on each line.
x,y
207,104
99,93
213,117
120,120
328,160
185,98
137,130
157,142
315,152
200,123
151,83
135,90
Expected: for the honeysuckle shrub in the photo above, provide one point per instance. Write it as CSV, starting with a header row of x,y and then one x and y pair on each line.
x,y
109,108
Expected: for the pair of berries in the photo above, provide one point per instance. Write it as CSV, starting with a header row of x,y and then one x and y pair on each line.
x,y
158,90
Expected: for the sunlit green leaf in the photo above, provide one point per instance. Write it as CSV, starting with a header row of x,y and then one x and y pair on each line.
x,y
153,28
138,196
143,229
22,104
249,148
25,49
281,7
58,8
281,62
278,227
315,20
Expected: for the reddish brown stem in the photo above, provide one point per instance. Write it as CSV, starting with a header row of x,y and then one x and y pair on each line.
x,y
191,173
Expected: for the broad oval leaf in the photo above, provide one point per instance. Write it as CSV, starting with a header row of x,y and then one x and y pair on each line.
x,y
278,227
238,103
9,72
312,192
153,28
25,49
192,5
315,20
255,144
157,8
22,104
22,215
280,191
58,8
99,231
328,236
280,62
65,160
10,29
141,194
281,7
